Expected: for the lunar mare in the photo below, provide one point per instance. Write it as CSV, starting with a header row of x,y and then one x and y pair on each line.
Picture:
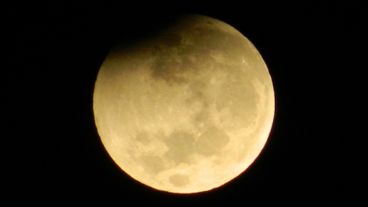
x,y
186,110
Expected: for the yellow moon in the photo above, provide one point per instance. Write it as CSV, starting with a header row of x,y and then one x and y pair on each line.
x,y
186,110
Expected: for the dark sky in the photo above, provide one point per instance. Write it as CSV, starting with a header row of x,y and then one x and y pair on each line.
x,y
54,51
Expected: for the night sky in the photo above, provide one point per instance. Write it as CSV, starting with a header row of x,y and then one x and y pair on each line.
x,y
53,54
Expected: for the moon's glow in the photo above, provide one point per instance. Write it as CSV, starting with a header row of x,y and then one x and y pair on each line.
x,y
187,110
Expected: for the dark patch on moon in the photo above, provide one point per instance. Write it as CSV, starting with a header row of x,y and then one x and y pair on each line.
x,y
175,50
201,117
171,39
198,95
211,141
142,137
151,164
168,69
180,146
179,180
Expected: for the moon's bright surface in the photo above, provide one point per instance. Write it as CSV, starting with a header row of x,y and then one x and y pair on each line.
x,y
187,110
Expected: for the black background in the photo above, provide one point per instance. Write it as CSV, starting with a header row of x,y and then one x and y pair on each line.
x,y
54,52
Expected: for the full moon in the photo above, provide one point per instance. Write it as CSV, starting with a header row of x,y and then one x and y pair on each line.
x,y
186,110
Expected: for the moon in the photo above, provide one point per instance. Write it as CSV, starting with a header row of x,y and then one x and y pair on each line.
x,y
186,110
